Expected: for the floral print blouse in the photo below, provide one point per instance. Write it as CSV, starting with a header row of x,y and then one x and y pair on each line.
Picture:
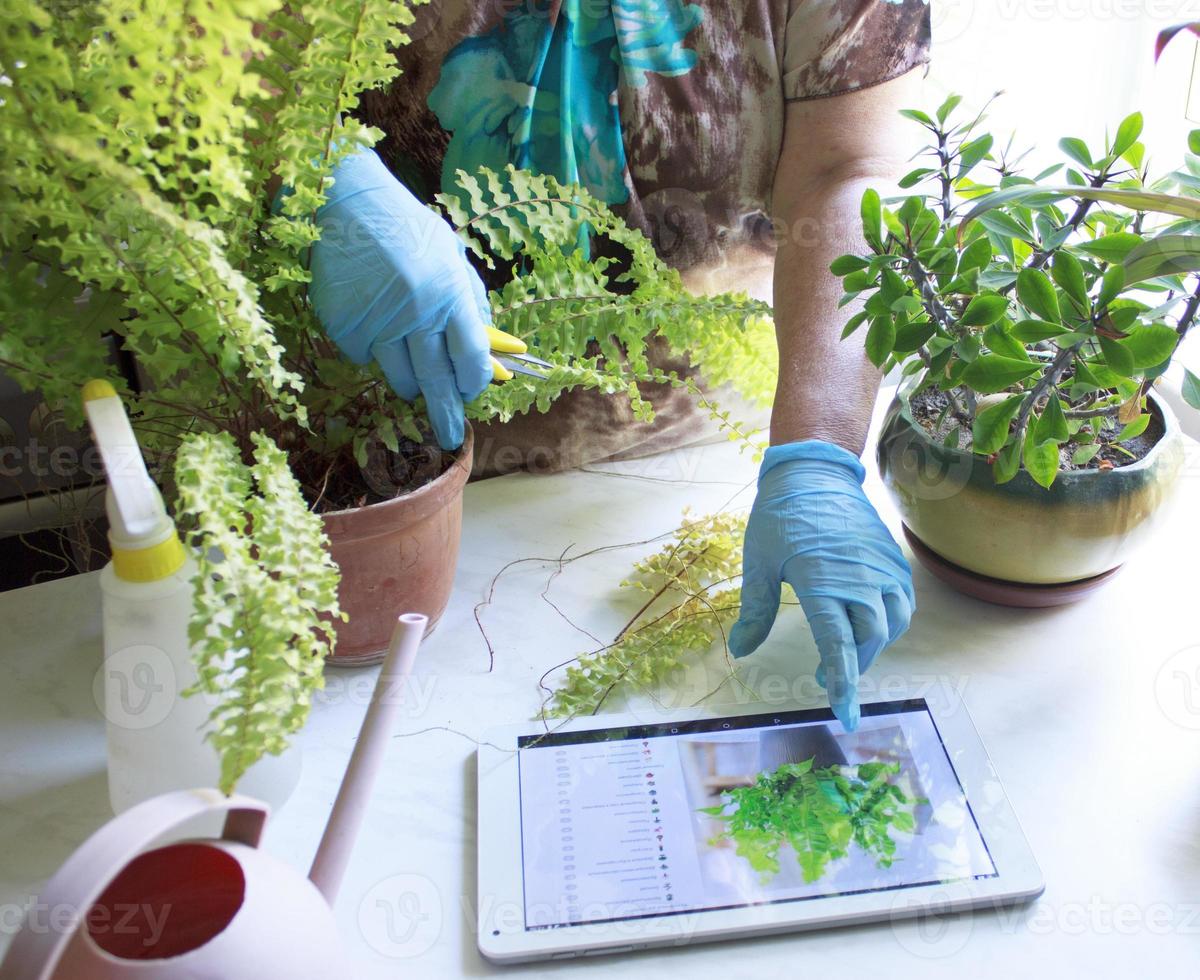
x,y
671,110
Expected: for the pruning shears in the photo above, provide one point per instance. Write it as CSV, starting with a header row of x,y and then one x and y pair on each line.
x,y
510,356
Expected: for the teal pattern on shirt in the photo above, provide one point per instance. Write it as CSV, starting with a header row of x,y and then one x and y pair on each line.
x,y
541,93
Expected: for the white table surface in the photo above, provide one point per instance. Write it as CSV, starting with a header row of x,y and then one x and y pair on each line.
x,y
1091,714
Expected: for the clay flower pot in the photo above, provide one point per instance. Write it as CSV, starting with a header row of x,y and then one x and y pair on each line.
x,y
1018,543
396,556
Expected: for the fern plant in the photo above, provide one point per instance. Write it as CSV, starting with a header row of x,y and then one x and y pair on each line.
x,y
258,634
142,143
819,813
688,608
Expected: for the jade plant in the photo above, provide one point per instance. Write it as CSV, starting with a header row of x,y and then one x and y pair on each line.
x,y
142,144
819,813
1031,313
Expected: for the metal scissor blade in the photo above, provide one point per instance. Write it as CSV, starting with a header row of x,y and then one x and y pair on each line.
x,y
531,367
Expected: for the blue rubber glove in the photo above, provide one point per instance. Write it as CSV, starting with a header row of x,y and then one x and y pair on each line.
x,y
813,527
390,280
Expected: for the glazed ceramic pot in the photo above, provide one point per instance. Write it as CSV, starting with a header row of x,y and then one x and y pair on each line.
x,y
1083,527
396,556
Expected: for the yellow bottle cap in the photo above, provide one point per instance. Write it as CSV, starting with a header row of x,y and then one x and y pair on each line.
x,y
159,561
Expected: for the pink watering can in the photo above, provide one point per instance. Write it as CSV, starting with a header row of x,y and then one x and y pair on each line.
x,y
219,909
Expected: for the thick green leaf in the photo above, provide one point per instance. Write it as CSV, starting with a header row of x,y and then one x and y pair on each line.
x,y
1194,141
917,116
948,107
853,323
1135,200
1127,133
1068,273
1165,255
872,217
1084,454
912,335
1041,460
914,177
994,372
843,265
975,256
1116,356
1076,149
1111,285
1008,461
1191,384
1051,425
984,309
997,339
881,338
1111,248
1036,293
908,305
1031,331
990,431
971,153
1006,226
1134,428
1150,345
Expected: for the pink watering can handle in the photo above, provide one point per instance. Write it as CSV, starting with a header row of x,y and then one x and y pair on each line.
x,y
34,953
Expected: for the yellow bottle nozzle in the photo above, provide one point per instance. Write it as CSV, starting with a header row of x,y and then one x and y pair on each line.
x,y
98,388
145,544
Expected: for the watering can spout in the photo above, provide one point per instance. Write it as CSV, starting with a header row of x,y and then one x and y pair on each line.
x,y
333,854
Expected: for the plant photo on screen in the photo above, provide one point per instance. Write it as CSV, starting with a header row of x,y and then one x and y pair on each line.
x,y
818,813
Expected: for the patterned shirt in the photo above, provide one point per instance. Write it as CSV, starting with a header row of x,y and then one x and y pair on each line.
x,y
671,111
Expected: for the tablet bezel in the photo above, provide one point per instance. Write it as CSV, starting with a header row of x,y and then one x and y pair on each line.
x,y
501,932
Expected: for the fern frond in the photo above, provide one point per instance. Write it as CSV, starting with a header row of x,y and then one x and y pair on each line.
x,y
265,591
687,612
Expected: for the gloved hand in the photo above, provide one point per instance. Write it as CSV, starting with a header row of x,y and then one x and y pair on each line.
x,y
813,527
390,280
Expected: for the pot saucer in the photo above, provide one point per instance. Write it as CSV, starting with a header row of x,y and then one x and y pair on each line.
x,y
1001,591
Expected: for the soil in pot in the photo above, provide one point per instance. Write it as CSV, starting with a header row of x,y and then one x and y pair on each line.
x,y
931,410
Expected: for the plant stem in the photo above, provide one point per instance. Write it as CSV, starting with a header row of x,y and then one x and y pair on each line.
x,y
1047,381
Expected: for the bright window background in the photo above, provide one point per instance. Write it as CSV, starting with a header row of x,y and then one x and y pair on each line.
x,y
1071,68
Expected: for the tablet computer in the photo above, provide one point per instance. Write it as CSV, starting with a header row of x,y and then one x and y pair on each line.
x,y
614,833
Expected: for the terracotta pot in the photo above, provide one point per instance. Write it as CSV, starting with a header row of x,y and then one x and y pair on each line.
x,y
1084,526
396,556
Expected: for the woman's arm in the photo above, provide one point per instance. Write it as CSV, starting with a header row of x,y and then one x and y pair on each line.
x,y
833,149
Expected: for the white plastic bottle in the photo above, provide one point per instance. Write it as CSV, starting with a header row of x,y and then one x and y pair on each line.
x,y
155,735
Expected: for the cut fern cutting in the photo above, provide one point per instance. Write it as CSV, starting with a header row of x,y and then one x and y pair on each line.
x,y
689,607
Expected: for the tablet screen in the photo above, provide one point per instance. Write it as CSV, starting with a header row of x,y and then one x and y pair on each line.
x,y
729,812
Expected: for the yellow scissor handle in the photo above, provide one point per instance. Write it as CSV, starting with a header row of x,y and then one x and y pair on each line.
x,y
500,372
503,343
